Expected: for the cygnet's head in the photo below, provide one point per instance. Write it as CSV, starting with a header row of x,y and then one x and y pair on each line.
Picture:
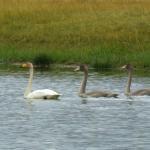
x,y
82,67
127,67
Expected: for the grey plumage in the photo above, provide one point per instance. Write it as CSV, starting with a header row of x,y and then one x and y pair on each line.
x,y
141,92
82,91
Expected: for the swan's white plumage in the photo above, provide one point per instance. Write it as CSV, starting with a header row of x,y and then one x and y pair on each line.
x,y
40,94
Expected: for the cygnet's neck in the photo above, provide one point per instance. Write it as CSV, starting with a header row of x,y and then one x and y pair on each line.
x,y
83,83
128,91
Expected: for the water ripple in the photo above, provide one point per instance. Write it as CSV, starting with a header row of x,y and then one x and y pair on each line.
x,y
72,123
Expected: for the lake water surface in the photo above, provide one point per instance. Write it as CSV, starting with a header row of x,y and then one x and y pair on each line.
x,y
73,123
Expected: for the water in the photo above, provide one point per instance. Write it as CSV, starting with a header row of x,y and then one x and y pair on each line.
x,y
72,123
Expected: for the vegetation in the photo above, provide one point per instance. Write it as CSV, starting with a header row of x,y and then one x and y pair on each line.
x,y
102,33
42,60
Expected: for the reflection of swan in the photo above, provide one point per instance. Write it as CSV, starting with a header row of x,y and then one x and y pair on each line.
x,y
82,91
129,69
38,94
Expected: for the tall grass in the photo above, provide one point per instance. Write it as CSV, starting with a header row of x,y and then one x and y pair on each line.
x,y
103,33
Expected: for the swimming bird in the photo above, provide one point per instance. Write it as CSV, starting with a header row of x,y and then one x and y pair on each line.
x,y
37,94
82,91
129,68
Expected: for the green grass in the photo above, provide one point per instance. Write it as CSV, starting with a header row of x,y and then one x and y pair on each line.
x,y
102,33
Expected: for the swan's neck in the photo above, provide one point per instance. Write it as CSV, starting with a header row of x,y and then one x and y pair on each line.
x,y
29,86
128,91
83,83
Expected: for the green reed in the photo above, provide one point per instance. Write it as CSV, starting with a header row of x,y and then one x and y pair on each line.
x,y
103,33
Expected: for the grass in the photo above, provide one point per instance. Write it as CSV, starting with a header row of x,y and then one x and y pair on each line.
x,y
102,33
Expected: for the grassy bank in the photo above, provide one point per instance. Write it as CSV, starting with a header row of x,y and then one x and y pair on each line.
x,y
103,33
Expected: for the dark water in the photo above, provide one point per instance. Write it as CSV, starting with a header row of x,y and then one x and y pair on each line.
x,y
73,123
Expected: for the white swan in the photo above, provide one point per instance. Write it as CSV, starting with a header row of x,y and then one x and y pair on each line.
x,y
38,94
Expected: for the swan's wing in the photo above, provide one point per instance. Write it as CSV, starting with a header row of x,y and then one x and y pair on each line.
x,y
141,92
101,94
43,94
49,92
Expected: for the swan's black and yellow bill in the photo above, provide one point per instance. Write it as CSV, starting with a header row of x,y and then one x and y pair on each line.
x,y
24,65
27,65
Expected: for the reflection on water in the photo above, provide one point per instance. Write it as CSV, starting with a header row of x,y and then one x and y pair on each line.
x,y
73,123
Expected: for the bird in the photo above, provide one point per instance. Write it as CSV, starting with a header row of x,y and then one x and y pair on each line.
x,y
37,94
129,68
82,91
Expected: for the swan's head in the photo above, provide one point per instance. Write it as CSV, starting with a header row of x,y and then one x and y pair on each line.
x,y
82,67
127,67
27,65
